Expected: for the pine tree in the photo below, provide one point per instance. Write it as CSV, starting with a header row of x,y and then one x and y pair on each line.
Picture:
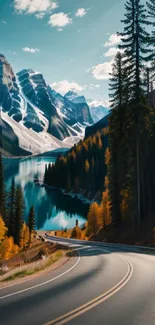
x,y
12,209
31,222
119,97
150,4
135,40
117,82
135,43
18,214
2,193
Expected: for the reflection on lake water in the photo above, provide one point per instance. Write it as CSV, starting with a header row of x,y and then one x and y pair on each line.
x,y
53,209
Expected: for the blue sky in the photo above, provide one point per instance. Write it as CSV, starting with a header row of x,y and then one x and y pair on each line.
x,y
72,42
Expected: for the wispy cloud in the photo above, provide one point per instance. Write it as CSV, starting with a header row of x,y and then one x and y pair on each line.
x,y
114,39
64,86
60,20
30,50
4,22
81,12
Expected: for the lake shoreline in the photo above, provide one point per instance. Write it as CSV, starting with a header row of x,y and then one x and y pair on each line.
x,y
53,209
82,198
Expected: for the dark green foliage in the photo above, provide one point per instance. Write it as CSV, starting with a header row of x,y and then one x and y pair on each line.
x,y
2,193
135,40
18,214
12,209
31,221
83,168
119,86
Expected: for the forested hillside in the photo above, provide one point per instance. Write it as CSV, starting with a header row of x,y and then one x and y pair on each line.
x,y
83,167
129,187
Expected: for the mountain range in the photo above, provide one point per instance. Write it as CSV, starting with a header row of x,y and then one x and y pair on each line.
x,y
34,117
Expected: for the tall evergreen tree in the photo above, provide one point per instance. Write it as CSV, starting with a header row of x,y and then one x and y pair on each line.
x,y
150,4
135,39
18,214
12,209
2,193
31,222
117,84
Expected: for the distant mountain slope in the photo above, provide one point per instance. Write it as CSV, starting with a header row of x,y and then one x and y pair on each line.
x,y
90,130
73,108
98,111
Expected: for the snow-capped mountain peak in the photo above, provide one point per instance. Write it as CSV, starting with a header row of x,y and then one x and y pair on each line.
x,y
31,107
75,98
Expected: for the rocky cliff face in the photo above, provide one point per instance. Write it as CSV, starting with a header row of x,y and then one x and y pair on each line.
x,y
10,99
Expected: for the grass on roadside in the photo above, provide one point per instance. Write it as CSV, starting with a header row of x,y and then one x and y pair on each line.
x,y
20,274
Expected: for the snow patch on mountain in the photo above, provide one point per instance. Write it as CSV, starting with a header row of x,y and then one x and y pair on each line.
x,y
37,142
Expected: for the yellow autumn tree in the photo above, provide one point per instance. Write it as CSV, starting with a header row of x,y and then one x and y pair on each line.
x,y
8,248
76,233
3,229
106,207
94,218
24,236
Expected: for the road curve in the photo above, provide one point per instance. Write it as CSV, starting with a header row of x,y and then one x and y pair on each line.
x,y
103,285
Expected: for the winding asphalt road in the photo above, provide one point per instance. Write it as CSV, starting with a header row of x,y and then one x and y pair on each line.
x,y
103,285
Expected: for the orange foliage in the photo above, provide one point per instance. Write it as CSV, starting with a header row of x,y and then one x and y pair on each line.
x,y
106,208
107,156
87,166
3,229
124,204
94,218
8,248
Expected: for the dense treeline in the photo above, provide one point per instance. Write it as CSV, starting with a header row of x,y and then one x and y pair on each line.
x,y
14,232
131,124
83,167
129,188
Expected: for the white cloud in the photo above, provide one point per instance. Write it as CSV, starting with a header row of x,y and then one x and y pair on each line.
x,y
114,39
59,20
111,52
101,71
4,22
81,12
34,6
30,50
60,29
64,86
96,103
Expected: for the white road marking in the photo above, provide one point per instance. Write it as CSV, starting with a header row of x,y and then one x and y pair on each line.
x,y
41,284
